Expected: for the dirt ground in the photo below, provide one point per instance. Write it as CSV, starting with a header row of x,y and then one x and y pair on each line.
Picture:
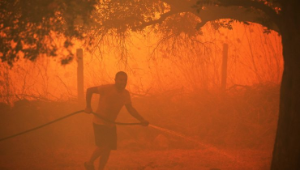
x,y
70,158
37,151
206,133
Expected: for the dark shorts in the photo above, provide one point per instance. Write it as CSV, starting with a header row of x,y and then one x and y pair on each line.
x,y
105,136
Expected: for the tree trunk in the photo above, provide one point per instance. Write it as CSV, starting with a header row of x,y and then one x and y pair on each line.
x,y
286,154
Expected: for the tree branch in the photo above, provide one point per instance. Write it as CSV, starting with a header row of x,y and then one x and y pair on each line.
x,y
240,10
259,5
153,22
176,6
212,13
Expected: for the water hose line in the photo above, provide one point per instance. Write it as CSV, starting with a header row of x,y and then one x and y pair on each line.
x,y
61,118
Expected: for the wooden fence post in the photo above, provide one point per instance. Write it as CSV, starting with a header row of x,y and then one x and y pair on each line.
x,y
80,82
224,67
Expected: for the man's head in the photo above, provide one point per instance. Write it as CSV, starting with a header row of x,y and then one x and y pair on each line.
x,y
121,80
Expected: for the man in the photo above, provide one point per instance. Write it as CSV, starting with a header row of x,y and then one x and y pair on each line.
x,y
112,98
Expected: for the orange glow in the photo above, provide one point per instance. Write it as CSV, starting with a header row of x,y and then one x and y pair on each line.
x,y
253,58
178,91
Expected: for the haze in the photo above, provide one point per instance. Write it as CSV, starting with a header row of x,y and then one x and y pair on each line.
x,y
177,87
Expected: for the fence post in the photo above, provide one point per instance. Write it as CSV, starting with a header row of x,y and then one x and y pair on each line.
x,y
224,67
80,82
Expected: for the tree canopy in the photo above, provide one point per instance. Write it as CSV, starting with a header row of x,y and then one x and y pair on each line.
x,y
29,28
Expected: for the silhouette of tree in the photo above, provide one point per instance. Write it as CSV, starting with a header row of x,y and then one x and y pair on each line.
x,y
29,28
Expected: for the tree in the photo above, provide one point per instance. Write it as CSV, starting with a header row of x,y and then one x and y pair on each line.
x,y
29,29
172,19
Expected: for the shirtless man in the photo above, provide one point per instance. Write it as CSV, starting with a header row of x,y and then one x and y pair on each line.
x,y
112,98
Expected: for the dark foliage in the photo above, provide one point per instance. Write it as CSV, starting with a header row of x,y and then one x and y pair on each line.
x,y
28,27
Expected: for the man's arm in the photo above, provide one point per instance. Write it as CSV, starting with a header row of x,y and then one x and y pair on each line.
x,y
135,114
89,94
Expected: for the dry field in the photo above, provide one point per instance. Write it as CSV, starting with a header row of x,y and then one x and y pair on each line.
x,y
199,131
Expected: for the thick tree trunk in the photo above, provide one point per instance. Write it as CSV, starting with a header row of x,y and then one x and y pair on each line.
x,y
286,154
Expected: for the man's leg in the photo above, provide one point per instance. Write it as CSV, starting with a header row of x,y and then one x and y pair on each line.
x,y
104,158
103,153
96,153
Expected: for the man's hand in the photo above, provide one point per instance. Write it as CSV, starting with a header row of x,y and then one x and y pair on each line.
x,y
88,110
144,123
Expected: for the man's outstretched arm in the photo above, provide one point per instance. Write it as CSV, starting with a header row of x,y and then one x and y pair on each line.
x,y
135,114
89,94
